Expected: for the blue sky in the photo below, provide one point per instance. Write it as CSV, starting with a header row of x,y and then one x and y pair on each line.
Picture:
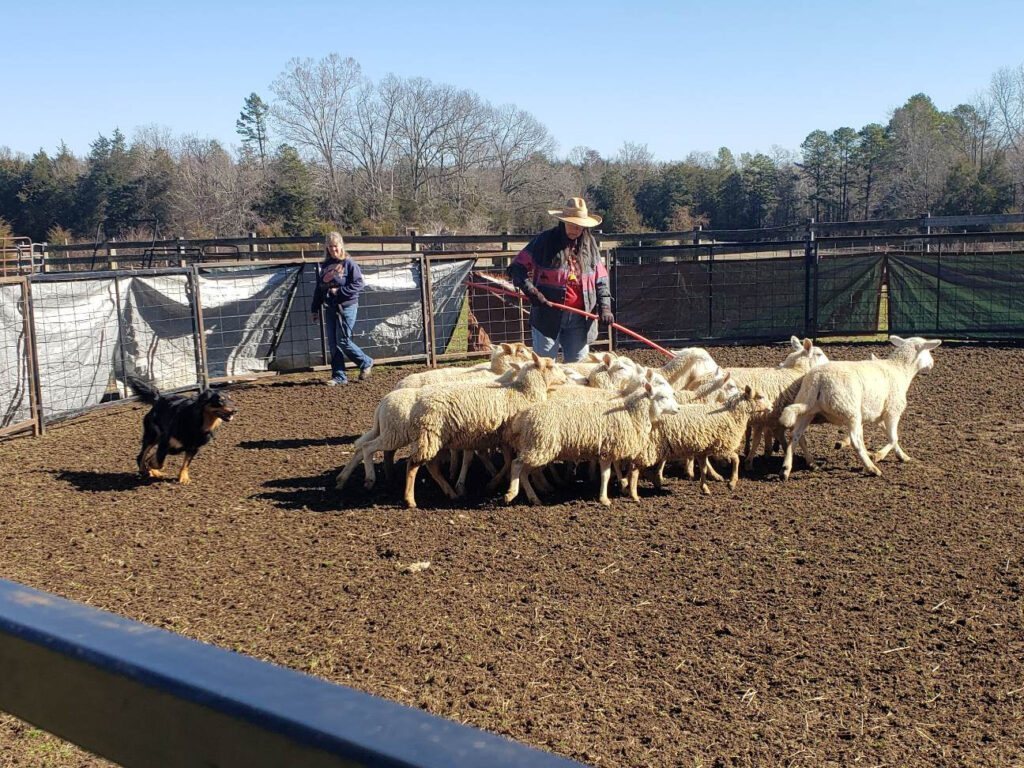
x,y
677,76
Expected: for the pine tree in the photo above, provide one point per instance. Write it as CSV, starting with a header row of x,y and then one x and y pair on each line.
x,y
252,126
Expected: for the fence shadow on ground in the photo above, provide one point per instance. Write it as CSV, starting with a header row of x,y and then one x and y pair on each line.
x,y
292,443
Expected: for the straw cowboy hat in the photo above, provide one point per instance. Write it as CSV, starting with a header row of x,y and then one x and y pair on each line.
x,y
575,212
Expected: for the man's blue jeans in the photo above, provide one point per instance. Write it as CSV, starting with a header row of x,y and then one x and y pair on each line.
x,y
572,338
340,322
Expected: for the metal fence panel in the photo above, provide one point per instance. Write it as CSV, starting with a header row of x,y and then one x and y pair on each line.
x,y
76,336
848,293
158,341
757,298
16,399
961,294
243,311
667,301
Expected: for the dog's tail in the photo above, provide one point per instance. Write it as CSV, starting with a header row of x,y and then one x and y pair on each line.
x,y
147,393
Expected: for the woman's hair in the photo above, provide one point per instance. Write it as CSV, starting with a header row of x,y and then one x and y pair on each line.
x,y
333,237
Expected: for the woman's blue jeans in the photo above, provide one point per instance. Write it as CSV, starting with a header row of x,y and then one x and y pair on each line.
x,y
571,338
340,322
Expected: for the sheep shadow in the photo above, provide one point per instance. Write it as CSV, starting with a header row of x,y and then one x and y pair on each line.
x,y
287,444
90,481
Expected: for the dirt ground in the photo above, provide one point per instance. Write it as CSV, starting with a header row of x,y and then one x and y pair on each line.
x,y
833,620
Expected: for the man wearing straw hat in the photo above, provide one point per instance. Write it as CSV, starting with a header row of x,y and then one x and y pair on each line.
x,y
563,265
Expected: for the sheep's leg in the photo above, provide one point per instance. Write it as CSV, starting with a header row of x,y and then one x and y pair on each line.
x,y
439,478
797,437
592,469
892,423
488,464
467,460
623,481
606,475
524,476
513,485
690,468
754,435
712,472
749,438
704,466
342,477
857,441
492,486
634,479
659,475
842,441
389,466
412,468
453,463
769,440
537,478
734,459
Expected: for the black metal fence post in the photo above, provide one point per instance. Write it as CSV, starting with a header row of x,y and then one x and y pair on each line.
x,y
810,281
711,290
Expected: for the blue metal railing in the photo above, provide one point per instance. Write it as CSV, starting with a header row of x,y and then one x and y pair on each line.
x,y
143,696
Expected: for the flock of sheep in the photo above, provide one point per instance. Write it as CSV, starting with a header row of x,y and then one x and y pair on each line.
x,y
616,415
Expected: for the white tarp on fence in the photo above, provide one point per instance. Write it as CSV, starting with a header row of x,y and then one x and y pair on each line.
x,y
76,337
15,403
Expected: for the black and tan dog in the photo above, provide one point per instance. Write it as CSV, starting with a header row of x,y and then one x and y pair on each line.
x,y
178,424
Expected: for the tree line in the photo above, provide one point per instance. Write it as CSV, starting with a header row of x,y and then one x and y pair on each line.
x,y
333,149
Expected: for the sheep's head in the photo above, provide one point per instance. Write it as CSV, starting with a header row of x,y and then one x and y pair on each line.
x,y
804,355
755,402
916,349
662,401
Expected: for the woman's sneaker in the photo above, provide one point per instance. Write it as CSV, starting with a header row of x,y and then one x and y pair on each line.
x,y
364,373
335,382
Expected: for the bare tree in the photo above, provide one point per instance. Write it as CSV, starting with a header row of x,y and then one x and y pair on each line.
x,y
369,141
424,117
209,196
517,138
314,100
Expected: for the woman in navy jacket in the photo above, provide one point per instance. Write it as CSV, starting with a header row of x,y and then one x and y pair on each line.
x,y
563,265
339,283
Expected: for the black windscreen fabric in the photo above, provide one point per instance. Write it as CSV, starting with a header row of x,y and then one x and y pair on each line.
x,y
666,301
757,298
973,295
848,291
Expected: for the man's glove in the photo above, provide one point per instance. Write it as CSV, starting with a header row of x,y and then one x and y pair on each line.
x,y
607,317
538,299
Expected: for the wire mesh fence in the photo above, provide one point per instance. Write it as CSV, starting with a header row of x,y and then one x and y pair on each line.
x,y
17,400
69,341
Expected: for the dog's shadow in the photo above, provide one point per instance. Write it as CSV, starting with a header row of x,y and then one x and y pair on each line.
x,y
96,482
292,443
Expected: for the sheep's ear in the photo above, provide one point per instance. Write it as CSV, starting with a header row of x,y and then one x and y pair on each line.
x,y
748,393
606,359
931,344
536,358
648,388
650,374
515,365
808,344
728,377
794,342
507,348
896,341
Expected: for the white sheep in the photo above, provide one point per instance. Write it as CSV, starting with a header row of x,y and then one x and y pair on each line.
x,y
472,418
616,430
780,386
501,355
687,366
851,394
392,429
706,431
